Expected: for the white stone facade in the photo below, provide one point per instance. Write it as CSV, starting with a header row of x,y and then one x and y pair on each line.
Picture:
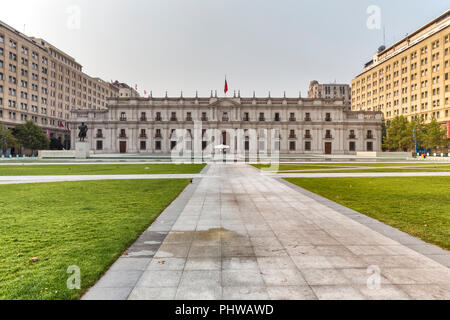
x,y
287,125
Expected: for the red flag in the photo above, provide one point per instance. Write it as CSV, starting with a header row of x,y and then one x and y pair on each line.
x,y
226,86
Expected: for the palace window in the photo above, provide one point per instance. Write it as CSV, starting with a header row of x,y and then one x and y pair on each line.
x,y
352,146
307,145
261,117
292,146
292,134
307,116
99,145
308,134
292,117
277,116
225,117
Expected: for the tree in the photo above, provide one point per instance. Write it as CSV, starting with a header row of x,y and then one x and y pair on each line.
x,y
417,127
7,139
400,134
31,136
435,135
384,142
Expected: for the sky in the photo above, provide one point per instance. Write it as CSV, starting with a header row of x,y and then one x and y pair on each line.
x,y
189,45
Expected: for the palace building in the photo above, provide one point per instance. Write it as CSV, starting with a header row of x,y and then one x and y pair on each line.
x,y
411,77
244,125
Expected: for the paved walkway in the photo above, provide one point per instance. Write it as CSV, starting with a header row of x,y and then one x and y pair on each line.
x,y
243,235
360,174
63,178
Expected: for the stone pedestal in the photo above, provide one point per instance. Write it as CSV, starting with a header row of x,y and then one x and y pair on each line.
x,y
82,150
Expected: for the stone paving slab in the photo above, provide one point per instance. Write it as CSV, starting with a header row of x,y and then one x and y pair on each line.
x,y
244,235
123,276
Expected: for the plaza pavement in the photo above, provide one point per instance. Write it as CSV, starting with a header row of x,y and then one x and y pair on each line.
x,y
240,234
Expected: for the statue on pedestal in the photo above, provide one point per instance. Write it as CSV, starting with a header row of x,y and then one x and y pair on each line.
x,y
83,131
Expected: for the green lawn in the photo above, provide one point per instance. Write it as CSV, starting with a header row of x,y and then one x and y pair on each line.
x,y
88,224
98,169
419,206
357,167
437,169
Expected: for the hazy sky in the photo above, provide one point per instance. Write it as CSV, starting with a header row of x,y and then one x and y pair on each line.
x,y
262,45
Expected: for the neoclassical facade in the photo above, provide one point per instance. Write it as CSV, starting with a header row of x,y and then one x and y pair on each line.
x,y
243,125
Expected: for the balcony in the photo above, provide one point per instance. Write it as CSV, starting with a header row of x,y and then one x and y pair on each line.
x,y
328,119
292,119
189,119
352,136
123,119
328,136
308,119
247,119
277,119
142,136
99,136
158,136
292,136
143,119
369,136
204,118
173,119
262,119
122,136
308,136
158,119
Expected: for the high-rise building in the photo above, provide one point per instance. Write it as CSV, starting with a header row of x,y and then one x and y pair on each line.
x,y
125,91
41,83
411,77
329,91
